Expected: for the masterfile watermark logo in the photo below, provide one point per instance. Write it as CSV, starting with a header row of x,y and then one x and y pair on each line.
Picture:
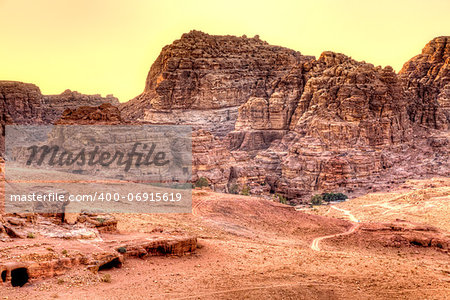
x,y
54,156
100,168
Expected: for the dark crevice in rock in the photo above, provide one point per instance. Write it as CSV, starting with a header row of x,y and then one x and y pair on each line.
x,y
19,277
115,263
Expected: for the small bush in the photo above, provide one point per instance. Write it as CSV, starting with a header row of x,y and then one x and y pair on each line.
x,y
122,250
281,198
328,197
202,182
30,235
233,189
317,200
106,278
245,190
183,186
64,252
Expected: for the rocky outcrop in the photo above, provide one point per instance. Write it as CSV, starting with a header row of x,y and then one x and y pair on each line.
x,y
201,72
20,103
23,103
271,120
57,104
274,120
49,248
426,79
211,159
348,112
106,113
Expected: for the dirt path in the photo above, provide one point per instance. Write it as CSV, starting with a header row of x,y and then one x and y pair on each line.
x,y
350,216
316,241
254,249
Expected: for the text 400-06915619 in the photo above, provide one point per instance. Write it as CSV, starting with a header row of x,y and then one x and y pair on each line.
x,y
141,197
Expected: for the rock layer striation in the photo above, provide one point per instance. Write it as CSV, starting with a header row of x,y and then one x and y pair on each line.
x,y
275,121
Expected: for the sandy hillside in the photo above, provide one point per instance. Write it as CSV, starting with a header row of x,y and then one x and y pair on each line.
x,y
253,248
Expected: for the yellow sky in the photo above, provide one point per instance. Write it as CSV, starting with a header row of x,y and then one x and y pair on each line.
x,y
108,46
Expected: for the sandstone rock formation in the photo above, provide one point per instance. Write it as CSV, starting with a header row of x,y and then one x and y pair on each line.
x,y
51,249
426,79
57,104
23,103
280,122
216,74
275,121
348,112
105,113
20,103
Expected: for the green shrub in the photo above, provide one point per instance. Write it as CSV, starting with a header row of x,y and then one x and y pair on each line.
x,y
122,250
245,190
317,200
281,198
328,197
30,235
182,186
202,182
233,189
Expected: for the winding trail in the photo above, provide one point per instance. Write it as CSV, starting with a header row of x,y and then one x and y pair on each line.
x,y
316,241
348,213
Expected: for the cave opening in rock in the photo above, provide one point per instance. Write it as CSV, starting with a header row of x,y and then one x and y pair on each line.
x,y
416,243
3,276
161,250
115,263
19,276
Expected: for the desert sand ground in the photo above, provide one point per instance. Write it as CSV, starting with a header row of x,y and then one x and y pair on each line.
x,y
254,248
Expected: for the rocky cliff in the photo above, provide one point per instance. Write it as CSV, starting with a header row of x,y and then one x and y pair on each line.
x,y
105,113
57,104
277,121
23,103
426,79
271,120
202,80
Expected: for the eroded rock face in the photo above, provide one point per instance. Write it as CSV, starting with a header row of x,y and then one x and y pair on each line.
x,y
347,103
105,113
203,72
57,104
426,79
211,159
20,103
348,113
277,121
23,103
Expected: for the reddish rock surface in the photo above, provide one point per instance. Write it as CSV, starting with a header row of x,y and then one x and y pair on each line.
x,y
273,120
278,121
57,104
49,248
426,79
397,234
23,103
106,113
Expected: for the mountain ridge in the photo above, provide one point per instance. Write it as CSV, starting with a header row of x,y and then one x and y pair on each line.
x,y
269,119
